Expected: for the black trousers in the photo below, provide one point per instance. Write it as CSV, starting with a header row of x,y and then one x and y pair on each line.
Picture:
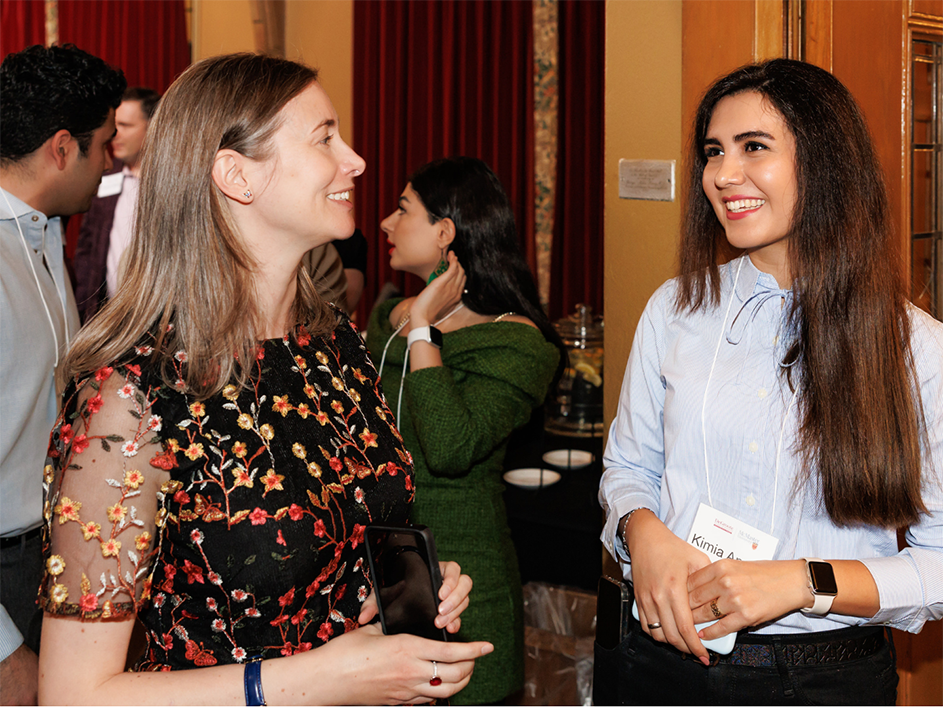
x,y
642,671
21,571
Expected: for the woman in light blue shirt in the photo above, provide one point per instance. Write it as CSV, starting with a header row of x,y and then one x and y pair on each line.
x,y
785,408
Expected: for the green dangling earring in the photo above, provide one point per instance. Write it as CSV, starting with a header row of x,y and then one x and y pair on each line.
x,y
439,269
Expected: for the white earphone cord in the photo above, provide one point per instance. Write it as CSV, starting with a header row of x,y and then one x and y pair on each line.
x,y
42,297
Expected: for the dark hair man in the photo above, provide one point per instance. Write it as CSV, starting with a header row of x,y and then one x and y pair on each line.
x,y
106,228
57,117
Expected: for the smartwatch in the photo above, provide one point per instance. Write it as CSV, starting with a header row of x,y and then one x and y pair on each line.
x,y
822,585
429,334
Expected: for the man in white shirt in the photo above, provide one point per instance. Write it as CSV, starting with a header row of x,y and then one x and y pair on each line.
x,y
57,119
106,228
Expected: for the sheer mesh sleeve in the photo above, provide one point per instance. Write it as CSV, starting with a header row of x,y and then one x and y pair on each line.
x,y
102,486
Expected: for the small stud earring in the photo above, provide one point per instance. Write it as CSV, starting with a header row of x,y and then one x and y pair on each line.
x,y
247,194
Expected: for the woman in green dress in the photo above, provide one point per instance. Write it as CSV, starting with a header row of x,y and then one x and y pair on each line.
x,y
463,364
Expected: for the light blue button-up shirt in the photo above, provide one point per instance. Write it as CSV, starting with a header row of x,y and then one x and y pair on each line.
x,y
656,455
28,353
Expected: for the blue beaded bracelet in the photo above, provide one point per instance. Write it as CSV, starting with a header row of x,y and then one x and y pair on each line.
x,y
253,684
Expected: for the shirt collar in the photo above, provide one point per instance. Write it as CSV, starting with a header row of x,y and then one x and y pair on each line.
x,y
32,222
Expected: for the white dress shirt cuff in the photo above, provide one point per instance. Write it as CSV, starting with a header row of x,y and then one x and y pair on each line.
x,y
10,636
905,585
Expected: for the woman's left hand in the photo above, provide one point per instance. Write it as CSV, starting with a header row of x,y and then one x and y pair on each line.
x,y
746,593
453,599
440,296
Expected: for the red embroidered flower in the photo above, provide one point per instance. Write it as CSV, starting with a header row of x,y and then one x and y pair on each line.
x,y
302,647
319,528
164,460
280,540
135,369
326,631
194,573
65,434
258,516
295,512
336,464
95,404
102,374
304,338
287,598
88,602
297,618
182,497
357,537
80,444
239,595
340,592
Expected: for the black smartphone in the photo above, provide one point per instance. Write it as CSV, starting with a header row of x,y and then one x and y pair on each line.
x,y
406,579
612,609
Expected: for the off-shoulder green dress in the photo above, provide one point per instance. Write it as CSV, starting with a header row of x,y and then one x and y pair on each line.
x,y
455,421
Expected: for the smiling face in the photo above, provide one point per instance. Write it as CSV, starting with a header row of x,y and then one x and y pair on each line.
x,y
415,243
750,179
301,194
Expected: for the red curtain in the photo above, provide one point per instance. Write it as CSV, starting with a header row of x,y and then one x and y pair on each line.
x,y
436,79
147,40
22,24
576,270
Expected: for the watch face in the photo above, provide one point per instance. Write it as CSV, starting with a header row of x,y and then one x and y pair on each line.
x,y
435,337
823,578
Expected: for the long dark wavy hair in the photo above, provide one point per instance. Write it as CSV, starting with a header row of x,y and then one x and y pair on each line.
x,y
859,406
465,190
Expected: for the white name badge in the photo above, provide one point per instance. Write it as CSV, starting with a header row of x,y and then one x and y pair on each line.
x,y
723,537
110,185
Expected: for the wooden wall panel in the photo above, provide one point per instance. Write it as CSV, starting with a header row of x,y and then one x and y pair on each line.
x,y
928,7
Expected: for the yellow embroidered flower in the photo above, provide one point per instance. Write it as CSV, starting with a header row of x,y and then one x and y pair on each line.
x,y
58,593
230,392
133,478
272,481
359,376
240,449
267,432
142,541
337,407
303,410
380,412
355,396
173,445
322,358
310,391
67,509
110,548
160,518
244,421
198,409
55,565
281,404
299,450
91,530
322,418
369,439
242,478
117,512
300,362
337,383
48,473
314,470
194,451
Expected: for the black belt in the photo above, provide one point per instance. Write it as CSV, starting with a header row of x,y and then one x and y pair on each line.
x,y
14,540
824,648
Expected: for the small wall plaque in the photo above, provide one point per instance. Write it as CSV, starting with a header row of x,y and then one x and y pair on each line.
x,y
652,180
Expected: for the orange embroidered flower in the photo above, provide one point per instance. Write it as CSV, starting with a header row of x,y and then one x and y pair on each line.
x,y
299,450
198,409
272,481
244,421
55,565
369,439
300,362
230,392
240,449
310,391
91,529
359,376
337,383
242,478
303,410
194,451
322,418
142,541
337,407
281,404
117,512
110,548
67,509
267,432
58,593
133,478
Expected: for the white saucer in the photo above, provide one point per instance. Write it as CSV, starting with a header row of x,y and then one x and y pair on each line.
x,y
568,458
531,478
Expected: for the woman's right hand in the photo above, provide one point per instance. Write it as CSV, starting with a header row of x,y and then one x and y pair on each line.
x,y
661,564
367,667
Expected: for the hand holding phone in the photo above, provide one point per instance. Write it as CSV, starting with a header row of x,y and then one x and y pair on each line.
x,y
722,645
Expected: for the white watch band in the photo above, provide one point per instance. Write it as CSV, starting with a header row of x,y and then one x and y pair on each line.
x,y
429,334
822,602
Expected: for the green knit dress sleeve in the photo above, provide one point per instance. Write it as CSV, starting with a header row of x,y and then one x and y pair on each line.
x,y
492,379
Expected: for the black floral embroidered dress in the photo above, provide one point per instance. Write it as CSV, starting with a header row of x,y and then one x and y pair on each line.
x,y
233,527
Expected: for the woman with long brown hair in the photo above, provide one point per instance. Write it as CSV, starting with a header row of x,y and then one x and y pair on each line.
x,y
223,440
781,408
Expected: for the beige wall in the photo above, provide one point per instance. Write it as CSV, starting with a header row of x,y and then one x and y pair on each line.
x,y
317,32
643,121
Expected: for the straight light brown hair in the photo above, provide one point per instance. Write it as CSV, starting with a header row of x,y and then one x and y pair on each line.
x,y
190,280
861,418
